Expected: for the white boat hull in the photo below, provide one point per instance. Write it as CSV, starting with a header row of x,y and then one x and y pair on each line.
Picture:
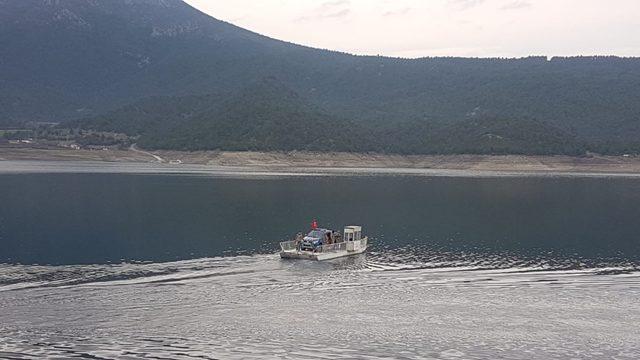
x,y
345,249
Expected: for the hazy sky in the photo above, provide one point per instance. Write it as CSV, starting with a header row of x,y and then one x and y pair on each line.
x,y
414,28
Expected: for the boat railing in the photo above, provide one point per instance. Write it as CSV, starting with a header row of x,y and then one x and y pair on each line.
x,y
288,245
333,247
340,246
343,245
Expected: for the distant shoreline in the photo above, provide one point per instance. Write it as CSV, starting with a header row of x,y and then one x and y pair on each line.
x,y
30,160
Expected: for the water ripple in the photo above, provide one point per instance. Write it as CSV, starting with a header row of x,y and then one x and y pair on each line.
x,y
407,303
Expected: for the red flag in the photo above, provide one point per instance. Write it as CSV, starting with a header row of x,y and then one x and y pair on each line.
x,y
314,224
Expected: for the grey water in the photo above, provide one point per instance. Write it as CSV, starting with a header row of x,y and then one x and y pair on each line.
x,y
126,266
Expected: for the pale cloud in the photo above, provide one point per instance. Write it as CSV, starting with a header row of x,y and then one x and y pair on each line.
x,y
465,4
328,10
398,12
516,5
419,28
331,4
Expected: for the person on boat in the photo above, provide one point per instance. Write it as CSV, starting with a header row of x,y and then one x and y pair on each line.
x,y
298,240
329,237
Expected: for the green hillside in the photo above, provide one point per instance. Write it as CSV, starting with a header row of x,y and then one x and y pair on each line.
x,y
184,80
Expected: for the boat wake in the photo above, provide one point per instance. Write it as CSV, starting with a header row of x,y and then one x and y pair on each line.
x,y
409,303
413,261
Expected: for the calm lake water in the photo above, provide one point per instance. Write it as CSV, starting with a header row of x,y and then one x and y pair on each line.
x,y
167,266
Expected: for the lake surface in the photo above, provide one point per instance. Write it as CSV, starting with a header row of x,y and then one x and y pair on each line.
x,y
114,266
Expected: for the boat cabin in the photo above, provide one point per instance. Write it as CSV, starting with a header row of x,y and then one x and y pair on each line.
x,y
352,233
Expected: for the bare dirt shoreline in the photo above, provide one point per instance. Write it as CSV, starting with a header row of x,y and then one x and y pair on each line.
x,y
206,161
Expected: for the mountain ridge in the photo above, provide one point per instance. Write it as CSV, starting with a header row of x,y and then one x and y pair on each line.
x,y
77,59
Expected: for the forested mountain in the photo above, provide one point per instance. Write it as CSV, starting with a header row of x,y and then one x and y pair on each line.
x,y
181,79
265,115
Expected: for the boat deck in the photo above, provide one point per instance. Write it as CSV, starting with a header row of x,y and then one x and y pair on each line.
x,y
326,252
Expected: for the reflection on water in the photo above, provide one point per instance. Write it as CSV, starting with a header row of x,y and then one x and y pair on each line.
x,y
460,268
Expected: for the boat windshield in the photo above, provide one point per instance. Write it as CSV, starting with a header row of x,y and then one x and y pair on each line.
x,y
316,234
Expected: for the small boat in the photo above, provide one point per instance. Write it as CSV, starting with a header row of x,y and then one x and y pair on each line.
x,y
325,244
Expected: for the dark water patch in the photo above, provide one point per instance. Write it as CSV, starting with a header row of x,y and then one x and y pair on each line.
x,y
14,277
201,276
36,277
108,218
15,356
617,271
